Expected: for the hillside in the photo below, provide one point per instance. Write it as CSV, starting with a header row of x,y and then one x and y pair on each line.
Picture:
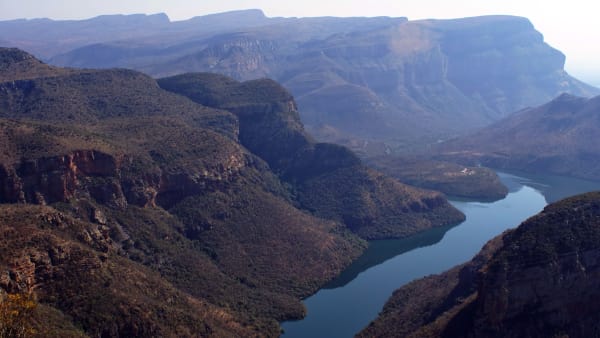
x,y
112,152
112,173
556,138
84,285
539,280
326,179
472,182
375,84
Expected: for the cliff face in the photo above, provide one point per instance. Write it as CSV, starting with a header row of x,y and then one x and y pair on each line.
x,y
374,84
326,179
552,138
537,280
107,179
485,54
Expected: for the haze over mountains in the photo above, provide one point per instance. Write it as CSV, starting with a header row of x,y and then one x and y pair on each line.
x,y
199,204
557,137
374,84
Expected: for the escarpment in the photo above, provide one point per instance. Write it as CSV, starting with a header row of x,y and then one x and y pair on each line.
x,y
374,84
107,179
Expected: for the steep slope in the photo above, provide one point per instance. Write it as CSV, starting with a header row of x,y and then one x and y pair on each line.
x,y
182,205
375,84
74,267
539,280
326,179
556,137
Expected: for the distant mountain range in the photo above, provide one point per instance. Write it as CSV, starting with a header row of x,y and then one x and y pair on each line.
x,y
374,84
558,137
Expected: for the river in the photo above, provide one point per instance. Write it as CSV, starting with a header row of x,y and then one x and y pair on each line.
x,y
351,301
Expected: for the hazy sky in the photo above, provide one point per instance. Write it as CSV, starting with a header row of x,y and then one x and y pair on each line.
x,y
570,26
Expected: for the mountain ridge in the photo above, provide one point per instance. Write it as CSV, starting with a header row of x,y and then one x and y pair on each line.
x,y
551,138
377,85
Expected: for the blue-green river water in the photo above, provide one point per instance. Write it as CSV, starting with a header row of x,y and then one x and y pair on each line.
x,y
350,302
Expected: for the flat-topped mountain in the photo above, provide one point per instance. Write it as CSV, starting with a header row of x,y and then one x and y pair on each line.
x,y
539,280
375,84
557,137
124,185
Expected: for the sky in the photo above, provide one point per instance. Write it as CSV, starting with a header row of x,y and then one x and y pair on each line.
x,y
570,26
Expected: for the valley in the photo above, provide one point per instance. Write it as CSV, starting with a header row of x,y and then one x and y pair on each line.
x,y
205,203
240,175
538,268
386,265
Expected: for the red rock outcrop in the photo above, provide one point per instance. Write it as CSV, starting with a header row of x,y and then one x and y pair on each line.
x,y
100,176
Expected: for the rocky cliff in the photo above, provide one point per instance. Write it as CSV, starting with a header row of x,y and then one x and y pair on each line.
x,y
553,138
375,84
539,280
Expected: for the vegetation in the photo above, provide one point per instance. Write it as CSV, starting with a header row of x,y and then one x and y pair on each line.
x,y
452,179
158,222
16,314
326,179
525,282
553,138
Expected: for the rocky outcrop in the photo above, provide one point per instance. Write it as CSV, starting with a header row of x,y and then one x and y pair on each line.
x,y
66,263
105,178
539,280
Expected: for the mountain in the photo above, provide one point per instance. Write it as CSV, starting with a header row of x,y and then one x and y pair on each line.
x,y
556,137
326,179
375,84
539,280
127,204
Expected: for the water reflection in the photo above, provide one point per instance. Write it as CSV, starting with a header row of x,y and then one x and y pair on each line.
x,y
553,187
382,250
350,302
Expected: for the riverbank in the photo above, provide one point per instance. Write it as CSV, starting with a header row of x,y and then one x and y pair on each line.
x,y
350,302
